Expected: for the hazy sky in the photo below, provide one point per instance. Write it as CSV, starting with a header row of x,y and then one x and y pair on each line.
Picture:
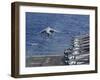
x,y
68,25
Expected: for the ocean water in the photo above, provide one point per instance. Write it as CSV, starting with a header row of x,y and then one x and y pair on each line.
x,y
67,25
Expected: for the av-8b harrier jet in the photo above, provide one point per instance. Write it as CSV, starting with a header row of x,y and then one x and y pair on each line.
x,y
48,31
